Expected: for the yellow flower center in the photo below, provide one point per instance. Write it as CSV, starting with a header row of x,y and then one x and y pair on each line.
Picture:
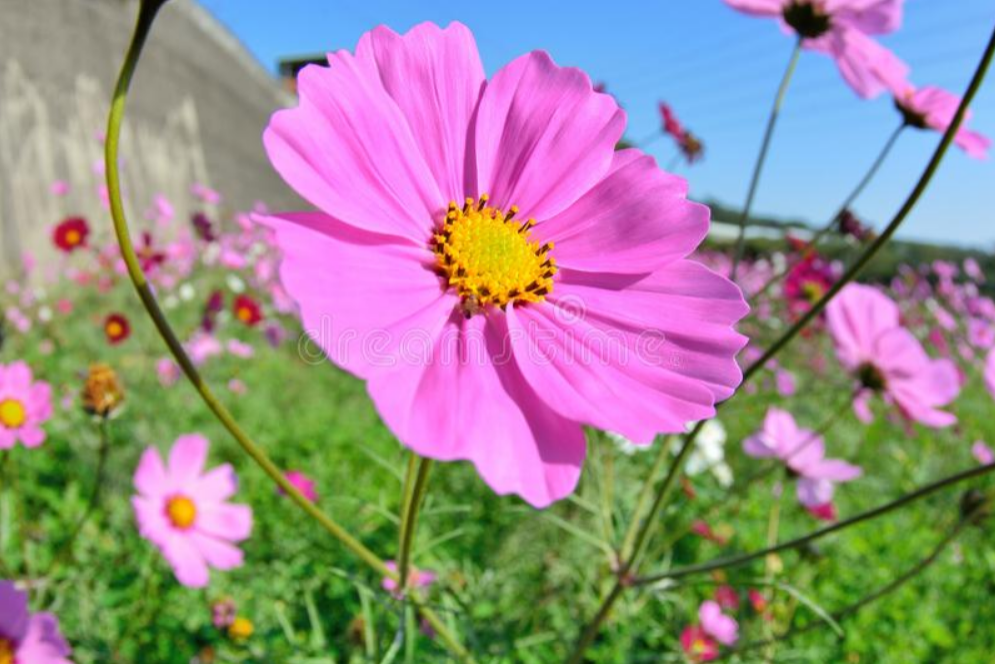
x,y
12,413
6,651
240,628
244,314
72,237
489,259
813,291
181,512
114,329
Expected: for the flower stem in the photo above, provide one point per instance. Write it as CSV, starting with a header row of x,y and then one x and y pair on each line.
x,y
775,112
736,561
409,517
821,233
146,15
644,496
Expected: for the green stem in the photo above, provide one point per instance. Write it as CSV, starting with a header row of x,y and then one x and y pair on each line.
x,y
644,496
409,518
736,561
758,167
146,16
822,232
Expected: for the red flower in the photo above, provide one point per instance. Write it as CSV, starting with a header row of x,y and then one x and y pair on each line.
x,y
671,125
117,328
247,310
698,645
727,597
807,282
148,256
702,529
71,234
824,512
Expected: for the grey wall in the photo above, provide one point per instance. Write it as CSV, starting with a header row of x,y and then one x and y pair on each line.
x,y
196,114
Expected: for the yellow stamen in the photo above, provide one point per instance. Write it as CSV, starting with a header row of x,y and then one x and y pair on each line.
x,y
244,314
181,512
72,237
13,414
114,329
490,260
6,651
240,628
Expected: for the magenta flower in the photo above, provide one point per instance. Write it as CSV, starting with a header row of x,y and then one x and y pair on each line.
x,y
803,452
698,645
934,108
302,483
982,453
490,265
885,358
185,513
842,29
25,404
723,628
25,637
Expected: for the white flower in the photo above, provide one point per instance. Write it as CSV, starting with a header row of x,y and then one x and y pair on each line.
x,y
235,284
187,292
709,453
623,444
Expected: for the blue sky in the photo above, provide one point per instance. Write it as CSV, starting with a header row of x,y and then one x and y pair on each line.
x,y
719,70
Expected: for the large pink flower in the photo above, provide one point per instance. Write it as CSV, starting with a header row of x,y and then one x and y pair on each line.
x,y
842,29
488,263
25,637
804,453
184,511
887,359
935,108
25,404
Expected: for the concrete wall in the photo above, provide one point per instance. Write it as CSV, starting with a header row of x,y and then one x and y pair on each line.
x,y
196,114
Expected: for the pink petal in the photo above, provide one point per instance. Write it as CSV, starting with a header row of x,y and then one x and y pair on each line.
x,y
469,402
435,77
867,66
814,492
758,7
835,470
862,406
150,476
188,563
366,300
218,554
186,460
43,644
348,149
723,628
990,372
873,17
152,522
216,485
636,219
31,436
543,136
17,378
224,520
13,611
856,317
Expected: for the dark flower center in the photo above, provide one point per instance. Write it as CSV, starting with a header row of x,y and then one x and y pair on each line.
x,y
807,18
871,377
910,117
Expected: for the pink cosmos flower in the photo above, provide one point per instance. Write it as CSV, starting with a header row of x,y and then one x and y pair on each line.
x,y
982,453
842,29
302,483
973,270
184,510
25,637
485,259
885,358
723,628
803,452
25,404
980,333
416,578
698,645
934,108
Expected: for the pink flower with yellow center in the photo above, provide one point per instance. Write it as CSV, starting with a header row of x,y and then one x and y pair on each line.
x,y
25,637
490,265
842,29
184,510
25,404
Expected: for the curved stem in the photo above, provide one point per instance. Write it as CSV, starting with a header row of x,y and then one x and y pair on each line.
x,y
102,453
736,561
624,579
409,518
854,607
758,168
146,15
822,232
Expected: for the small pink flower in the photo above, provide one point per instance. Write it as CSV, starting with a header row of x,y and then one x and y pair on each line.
x,y
416,579
698,645
723,628
237,386
785,382
727,597
982,453
203,346
886,359
168,371
980,333
25,637
990,372
59,188
205,193
842,29
184,510
25,404
803,452
302,483
973,270
240,348
934,108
